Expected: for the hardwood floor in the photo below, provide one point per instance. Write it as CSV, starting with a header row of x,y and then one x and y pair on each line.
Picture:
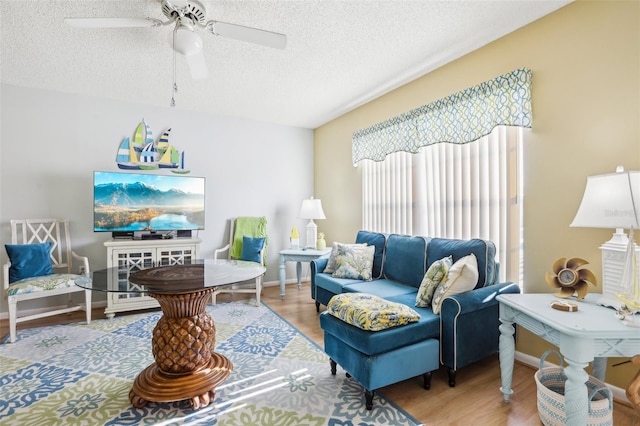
x,y
476,399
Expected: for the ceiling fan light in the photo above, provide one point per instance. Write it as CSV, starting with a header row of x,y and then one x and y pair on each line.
x,y
178,4
185,41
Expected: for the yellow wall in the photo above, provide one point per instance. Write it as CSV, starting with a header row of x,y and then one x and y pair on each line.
x,y
585,60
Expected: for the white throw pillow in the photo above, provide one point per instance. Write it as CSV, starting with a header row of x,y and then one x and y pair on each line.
x,y
462,277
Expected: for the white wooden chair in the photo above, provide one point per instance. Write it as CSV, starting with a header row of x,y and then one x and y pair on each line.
x,y
254,227
34,276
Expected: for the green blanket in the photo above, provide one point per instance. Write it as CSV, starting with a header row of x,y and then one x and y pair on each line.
x,y
250,227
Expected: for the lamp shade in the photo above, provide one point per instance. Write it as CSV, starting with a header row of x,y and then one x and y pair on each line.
x,y
610,201
311,209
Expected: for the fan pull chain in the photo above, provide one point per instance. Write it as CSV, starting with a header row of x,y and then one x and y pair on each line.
x,y
175,85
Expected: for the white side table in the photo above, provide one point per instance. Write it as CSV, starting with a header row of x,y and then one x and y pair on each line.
x,y
591,332
299,256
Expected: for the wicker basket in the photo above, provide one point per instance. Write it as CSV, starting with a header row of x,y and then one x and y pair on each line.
x,y
550,383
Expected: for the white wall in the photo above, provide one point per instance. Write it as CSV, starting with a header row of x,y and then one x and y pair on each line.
x,y
52,142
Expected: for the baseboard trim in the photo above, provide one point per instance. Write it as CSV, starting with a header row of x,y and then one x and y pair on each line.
x,y
619,394
277,283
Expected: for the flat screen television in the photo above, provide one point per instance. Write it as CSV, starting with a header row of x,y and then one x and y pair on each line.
x,y
126,202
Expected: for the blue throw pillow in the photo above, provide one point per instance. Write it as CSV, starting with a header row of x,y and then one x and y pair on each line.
x,y
29,260
251,249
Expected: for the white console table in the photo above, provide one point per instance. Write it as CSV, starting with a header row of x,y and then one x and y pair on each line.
x,y
298,256
133,255
591,332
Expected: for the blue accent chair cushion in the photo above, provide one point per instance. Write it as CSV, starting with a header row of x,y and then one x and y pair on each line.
x,y
251,248
29,260
42,283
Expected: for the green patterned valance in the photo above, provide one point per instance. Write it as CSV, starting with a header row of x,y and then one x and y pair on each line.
x,y
459,118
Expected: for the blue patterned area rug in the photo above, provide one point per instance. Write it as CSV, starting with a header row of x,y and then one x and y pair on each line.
x,y
80,374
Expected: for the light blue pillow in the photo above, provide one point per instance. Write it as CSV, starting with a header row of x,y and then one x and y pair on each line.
x,y
251,248
29,260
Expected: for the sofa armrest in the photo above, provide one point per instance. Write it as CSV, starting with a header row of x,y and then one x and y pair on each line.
x,y
480,298
316,266
469,325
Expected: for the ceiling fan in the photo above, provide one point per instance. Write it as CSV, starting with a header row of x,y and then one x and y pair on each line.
x,y
187,16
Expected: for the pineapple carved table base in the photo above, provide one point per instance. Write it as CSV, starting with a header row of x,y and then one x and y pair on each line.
x,y
186,366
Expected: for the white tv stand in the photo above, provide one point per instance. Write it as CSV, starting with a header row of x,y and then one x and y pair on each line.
x,y
132,255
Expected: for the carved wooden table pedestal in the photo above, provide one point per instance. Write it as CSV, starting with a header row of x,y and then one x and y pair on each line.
x,y
185,367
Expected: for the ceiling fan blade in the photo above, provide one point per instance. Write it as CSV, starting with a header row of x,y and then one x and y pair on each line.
x,y
197,65
113,22
248,34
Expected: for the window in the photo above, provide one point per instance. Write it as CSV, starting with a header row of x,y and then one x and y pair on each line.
x,y
446,190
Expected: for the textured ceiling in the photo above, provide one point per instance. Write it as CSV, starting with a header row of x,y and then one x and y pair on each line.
x,y
340,54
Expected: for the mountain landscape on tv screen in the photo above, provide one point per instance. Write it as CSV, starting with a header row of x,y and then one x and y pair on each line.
x,y
138,207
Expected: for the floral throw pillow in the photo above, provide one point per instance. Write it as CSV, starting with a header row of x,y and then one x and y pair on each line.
x,y
354,262
436,273
462,277
331,263
369,312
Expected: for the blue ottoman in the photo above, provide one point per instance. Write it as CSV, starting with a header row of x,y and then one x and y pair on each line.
x,y
380,358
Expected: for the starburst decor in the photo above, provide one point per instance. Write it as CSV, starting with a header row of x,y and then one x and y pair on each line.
x,y
571,277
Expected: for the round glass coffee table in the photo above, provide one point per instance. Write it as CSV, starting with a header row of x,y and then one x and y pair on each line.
x,y
186,366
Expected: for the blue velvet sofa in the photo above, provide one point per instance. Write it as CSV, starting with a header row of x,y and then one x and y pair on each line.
x,y
465,331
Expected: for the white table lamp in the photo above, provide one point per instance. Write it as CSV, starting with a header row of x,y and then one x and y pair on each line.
x,y
613,201
311,209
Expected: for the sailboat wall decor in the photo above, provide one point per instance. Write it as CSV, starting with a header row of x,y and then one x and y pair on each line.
x,y
142,136
169,155
181,169
127,157
144,153
148,160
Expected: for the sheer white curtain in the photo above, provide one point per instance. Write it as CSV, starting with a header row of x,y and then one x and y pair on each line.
x,y
387,188
449,190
